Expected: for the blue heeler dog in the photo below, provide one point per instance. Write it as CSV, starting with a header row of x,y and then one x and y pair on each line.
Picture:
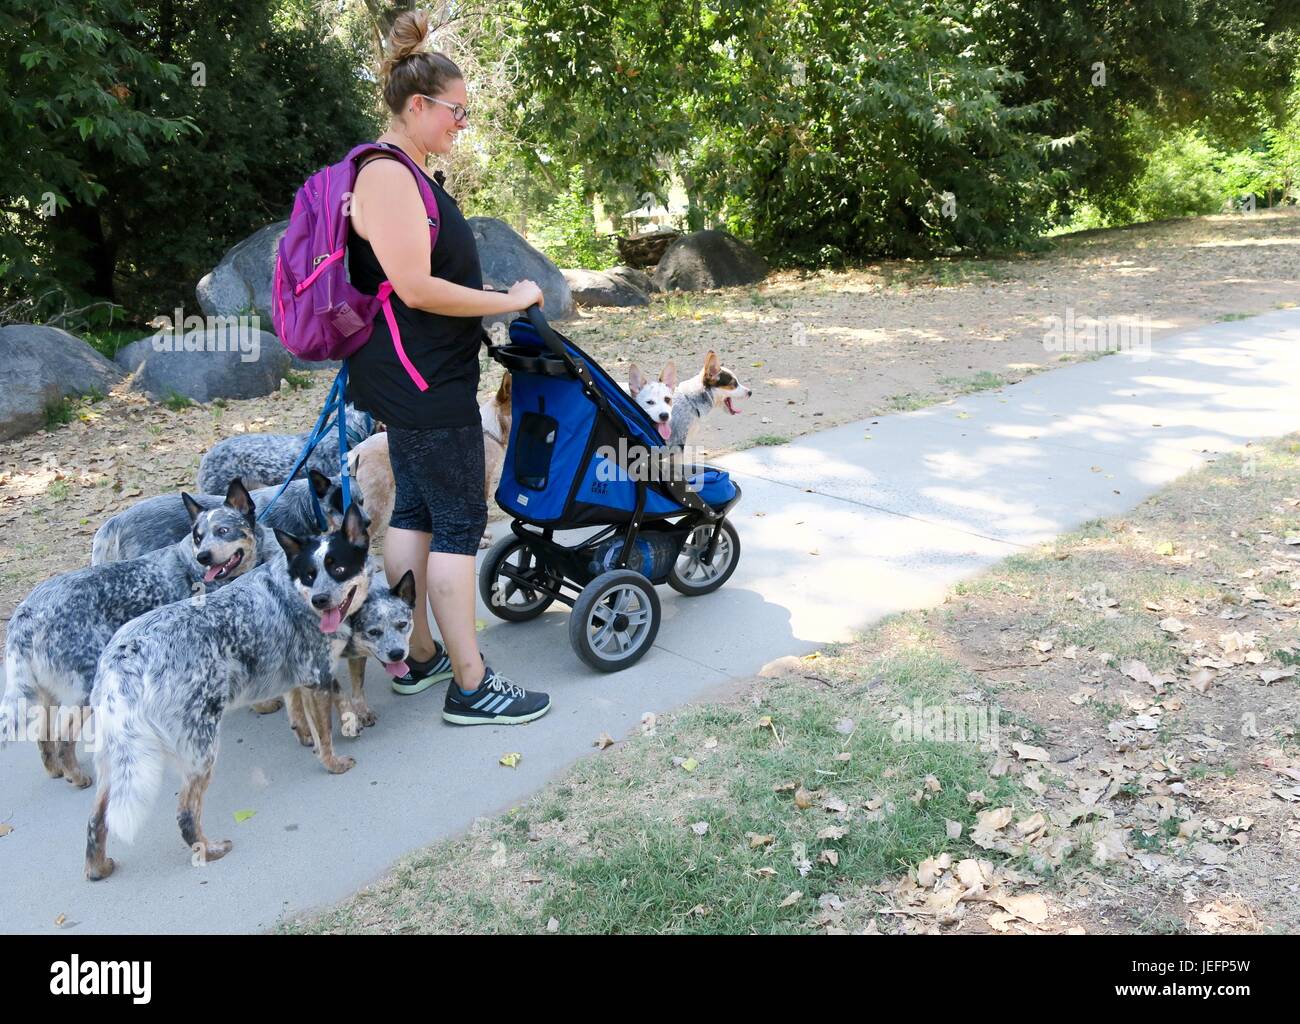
x,y
57,633
381,629
264,459
162,520
166,680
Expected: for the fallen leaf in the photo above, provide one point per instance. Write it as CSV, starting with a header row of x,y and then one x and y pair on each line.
x,y
552,925
792,899
765,872
952,828
243,816
1171,625
511,760
831,832
1030,753
1032,908
690,764
802,798
603,740
829,857
783,787
5,829
480,625
756,840
700,828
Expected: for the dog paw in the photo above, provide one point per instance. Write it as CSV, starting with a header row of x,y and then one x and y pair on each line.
x,y
81,780
339,765
98,872
368,717
269,707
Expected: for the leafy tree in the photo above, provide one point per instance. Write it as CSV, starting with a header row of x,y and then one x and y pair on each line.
x,y
70,73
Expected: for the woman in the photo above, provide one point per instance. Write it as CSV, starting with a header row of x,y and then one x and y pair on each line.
x,y
435,439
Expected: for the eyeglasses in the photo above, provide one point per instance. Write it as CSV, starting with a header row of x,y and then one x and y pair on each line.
x,y
457,111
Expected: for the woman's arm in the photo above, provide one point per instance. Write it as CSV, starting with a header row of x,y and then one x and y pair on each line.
x,y
388,212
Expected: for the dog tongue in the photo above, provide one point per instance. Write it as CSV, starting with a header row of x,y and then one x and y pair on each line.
x,y
396,668
211,574
665,431
330,619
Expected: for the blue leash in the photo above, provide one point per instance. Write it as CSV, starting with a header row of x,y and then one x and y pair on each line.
x,y
334,411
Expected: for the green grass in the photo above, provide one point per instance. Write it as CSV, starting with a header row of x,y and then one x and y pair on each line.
x,y
763,441
910,400
640,868
297,381
176,402
1223,317
71,407
982,381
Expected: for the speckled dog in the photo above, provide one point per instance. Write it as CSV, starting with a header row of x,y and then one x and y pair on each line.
x,y
264,459
381,629
167,679
156,522
57,633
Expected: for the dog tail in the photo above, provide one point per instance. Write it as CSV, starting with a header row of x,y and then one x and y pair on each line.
x,y
129,758
17,683
106,545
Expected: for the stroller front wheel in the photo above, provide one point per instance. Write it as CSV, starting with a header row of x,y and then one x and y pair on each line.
x,y
509,598
615,620
693,576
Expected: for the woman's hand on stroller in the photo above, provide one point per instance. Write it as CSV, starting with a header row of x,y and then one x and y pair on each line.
x,y
524,294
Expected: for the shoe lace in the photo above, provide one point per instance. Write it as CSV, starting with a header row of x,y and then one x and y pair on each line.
x,y
502,685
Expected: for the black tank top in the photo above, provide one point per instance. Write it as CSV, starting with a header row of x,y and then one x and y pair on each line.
x,y
444,349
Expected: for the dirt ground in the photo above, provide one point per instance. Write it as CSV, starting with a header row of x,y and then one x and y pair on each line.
x,y
817,349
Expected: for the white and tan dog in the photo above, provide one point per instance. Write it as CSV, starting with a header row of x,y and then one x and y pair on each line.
x,y
697,396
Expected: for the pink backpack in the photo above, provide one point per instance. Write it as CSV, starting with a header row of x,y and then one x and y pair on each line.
x,y
317,312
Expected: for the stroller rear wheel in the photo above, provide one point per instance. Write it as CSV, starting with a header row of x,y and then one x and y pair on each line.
x,y
692,575
507,598
615,620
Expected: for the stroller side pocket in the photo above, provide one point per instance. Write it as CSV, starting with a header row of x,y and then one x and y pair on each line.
x,y
534,446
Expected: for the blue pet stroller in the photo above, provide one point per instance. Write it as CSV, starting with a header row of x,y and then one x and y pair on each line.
x,y
581,454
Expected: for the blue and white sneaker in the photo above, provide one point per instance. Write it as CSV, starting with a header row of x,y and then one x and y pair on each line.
x,y
420,675
496,701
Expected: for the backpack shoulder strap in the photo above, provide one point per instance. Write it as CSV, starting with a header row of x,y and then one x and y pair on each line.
x,y
363,154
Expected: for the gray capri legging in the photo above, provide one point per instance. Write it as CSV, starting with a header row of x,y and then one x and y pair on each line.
x,y
438,478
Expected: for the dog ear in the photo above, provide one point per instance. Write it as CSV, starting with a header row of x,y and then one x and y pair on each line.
x,y
320,483
711,366
355,524
669,376
238,498
405,588
291,544
635,382
192,507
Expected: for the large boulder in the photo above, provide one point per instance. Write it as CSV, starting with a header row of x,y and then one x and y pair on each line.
x,y
42,366
601,288
638,279
505,257
214,363
241,282
708,259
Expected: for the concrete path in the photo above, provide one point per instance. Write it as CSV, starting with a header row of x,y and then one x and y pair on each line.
x,y
837,530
